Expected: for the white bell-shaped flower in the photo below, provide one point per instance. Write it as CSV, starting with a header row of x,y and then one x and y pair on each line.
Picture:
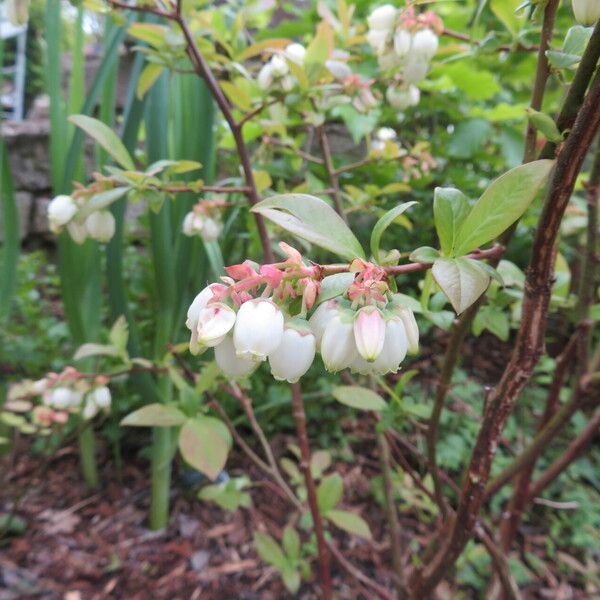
x,y
296,53
265,77
415,69
90,408
60,211
279,66
410,326
39,386
101,397
63,397
587,12
192,224
211,230
77,231
402,42
215,321
230,363
258,329
294,355
338,349
377,39
383,17
101,225
424,44
369,332
321,317
402,98
394,348
385,134
199,302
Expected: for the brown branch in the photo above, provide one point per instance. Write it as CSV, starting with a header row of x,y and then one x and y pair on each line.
x,y
355,165
541,77
255,111
529,343
311,491
331,173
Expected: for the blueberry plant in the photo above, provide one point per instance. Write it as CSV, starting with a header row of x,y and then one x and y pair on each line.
x,y
278,222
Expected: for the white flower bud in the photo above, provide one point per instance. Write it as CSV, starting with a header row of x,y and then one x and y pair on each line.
x,y
402,41
287,83
369,332
296,53
386,134
39,386
101,225
415,69
383,17
424,44
211,230
200,301
394,348
279,66
64,397
60,211
338,349
90,408
587,12
377,39
101,397
77,231
410,326
230,363
258,329
192,224
214,323
320,318
294,355
402,98
339,69
265,77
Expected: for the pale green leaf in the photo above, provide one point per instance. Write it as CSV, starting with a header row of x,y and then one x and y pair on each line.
x,y
155,415
147,78
106,138
86,350
383,223
291,542
313,220
450,207
268,549
359,397
329,492
334,285
461,279
350,522
502,203
204,443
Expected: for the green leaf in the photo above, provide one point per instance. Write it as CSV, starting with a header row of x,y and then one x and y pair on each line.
x,y
469,137
313,220
12,525
87,350
383,223
204,443
291,542
475,83
147,78
268,549
106,137
152,34
545,125
576,40
334,285
359,397
291,578
155,415
329,492
461,279
502,203
493,319
424,254
506,11
101,201
350,522
450,207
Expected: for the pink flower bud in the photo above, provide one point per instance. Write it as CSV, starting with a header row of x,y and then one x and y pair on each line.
x,y
369,332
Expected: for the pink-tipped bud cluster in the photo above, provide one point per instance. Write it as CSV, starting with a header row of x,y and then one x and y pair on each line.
x,y
259,313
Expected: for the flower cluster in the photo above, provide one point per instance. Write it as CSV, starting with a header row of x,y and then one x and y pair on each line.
x,y
64,393
204,220
276,72
405,42
258,313
62,212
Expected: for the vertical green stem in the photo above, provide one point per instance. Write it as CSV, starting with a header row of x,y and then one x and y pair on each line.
x,y
87,456
161,477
